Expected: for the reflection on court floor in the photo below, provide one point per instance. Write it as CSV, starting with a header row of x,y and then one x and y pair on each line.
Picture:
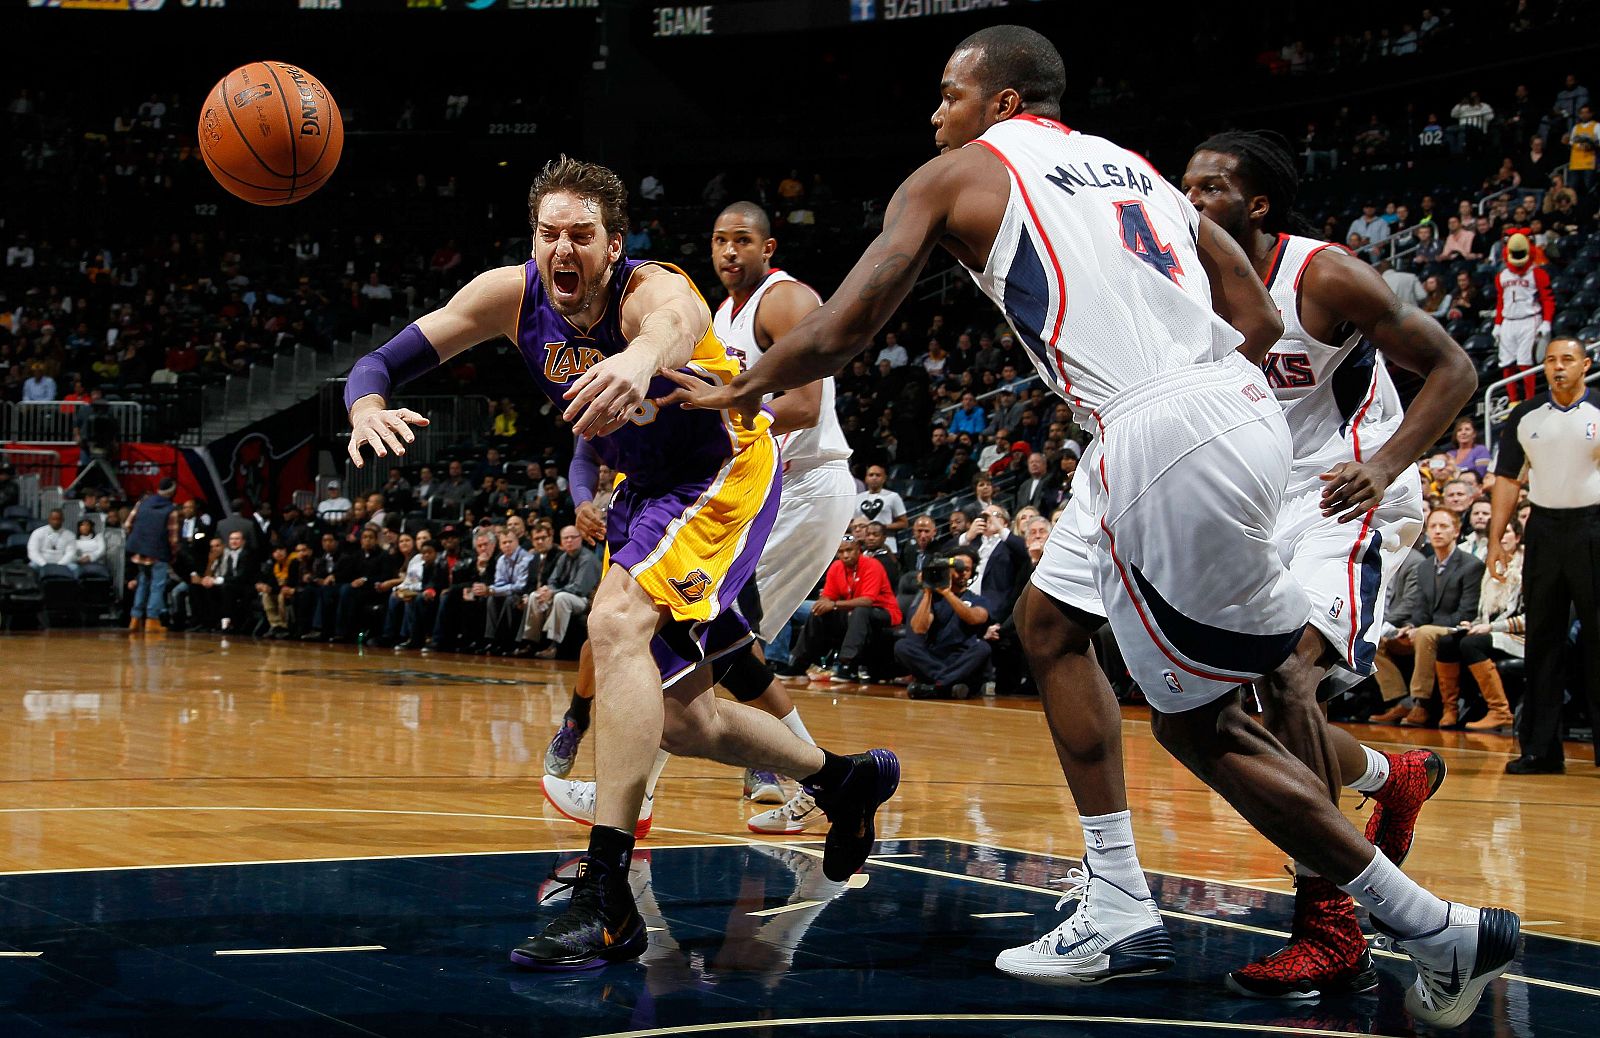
x,y
745,938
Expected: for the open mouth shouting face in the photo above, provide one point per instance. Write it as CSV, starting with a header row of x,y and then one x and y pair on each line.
x,y
574,251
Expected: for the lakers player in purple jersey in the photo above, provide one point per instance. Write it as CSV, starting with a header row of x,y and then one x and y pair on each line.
x,y
683,535
1028,192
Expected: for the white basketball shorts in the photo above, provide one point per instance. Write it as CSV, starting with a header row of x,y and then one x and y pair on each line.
x,y
813,513
1066,570
1186,480
1345,567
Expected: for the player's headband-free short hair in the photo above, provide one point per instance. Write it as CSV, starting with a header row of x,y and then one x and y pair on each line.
x,y
1020,58
586,180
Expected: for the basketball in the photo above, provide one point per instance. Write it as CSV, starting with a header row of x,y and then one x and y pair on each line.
x,y
270,133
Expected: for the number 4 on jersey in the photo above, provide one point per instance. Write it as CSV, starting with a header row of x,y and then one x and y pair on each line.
x,y
1139,238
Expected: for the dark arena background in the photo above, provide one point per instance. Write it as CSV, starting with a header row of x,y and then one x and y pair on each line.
x,y
286,800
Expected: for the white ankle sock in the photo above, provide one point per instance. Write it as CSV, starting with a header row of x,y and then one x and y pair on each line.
x,y
792,721
1109,852
1395,899
662,756
1375,776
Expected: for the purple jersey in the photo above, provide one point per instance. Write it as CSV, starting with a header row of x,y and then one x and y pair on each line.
x,y
656,447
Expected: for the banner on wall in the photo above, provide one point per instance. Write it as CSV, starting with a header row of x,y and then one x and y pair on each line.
x,y
140,468
268,460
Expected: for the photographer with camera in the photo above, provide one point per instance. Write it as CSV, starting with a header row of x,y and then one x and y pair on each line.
x,y
945,650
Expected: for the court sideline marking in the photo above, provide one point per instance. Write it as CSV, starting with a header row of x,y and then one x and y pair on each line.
x,y
912,1018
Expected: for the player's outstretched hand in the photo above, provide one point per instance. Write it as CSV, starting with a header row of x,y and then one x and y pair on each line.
x,y
383,430
1351,490
695,393
606,395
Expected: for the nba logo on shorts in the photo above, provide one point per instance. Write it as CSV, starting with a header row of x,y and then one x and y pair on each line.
x,y
1589,431
1335,609
1172,682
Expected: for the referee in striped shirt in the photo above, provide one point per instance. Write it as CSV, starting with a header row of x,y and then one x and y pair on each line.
x,y
1552,445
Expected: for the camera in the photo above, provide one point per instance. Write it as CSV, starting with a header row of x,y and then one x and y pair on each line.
x,y
936,573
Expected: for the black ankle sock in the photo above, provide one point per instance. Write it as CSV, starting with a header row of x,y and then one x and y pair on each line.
x,y
612,848
835,769
579,711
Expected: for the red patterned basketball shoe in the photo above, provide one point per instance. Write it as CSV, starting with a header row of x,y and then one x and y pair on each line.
x,y
1414,777
1326,953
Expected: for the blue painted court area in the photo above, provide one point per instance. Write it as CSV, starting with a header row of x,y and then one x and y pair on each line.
x,y
744,940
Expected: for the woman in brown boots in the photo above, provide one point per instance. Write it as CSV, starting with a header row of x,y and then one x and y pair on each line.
x,y
1496,633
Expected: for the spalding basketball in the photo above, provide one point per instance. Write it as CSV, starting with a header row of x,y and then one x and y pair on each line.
x,y
270,133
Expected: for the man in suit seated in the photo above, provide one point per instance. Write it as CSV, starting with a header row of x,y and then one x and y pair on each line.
x,y
1038,488
1448,581
1003,562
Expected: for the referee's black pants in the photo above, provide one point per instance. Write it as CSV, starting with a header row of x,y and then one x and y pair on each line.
x,y
1560,571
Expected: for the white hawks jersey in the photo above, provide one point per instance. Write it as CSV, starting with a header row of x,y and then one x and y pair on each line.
x,y
736,329
1096,266
1523,294
1338,398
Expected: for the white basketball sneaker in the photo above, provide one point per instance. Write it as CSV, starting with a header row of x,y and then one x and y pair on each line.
x,y
796,816
1457,961
575,800
764,787
1110,934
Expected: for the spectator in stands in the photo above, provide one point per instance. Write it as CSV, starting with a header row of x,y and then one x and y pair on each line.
x,y
1448,583
461,608
879,504
944,649
1469,454
1497,632
1584,141
969,417
1458,497
377,509
295,529
1435,300
892,351
89,548
235,575
1460,242
1466,302
924,547
1002,560
958,475
856,603
934,361
505,596
239,521
1040,487
401,589
1571,98
1035,536
1369,226
52,545
1476,542
982,493
874,546
455,486
565,593
152,529
275,584
39,386
370,566
201,602
334,506
425,486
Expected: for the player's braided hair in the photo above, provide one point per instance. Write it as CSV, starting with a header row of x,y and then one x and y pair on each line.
x,y
1267,164
586,180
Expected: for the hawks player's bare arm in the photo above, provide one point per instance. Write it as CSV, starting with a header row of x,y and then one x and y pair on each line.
x,y
1337,289
782,308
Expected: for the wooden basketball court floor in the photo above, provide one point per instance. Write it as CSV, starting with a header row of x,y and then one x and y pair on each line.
x,y
203,837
